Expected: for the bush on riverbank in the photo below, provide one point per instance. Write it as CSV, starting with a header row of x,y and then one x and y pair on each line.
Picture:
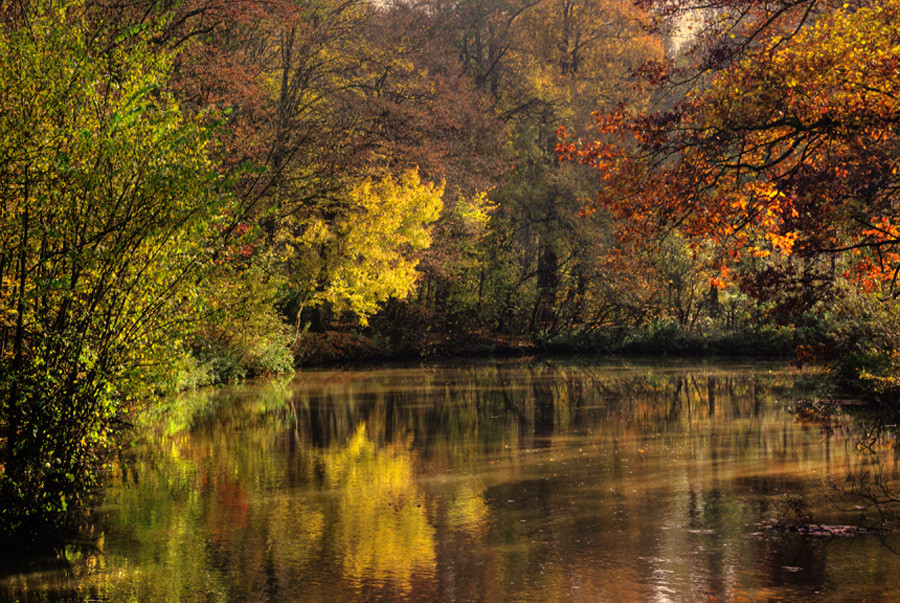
x,y
108,196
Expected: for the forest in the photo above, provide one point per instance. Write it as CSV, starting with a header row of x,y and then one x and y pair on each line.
x,y
202,191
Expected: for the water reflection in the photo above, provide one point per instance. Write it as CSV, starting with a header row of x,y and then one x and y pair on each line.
x,y
382,531
492,481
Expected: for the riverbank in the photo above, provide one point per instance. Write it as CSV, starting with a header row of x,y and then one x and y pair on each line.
x,y
333,348
336,347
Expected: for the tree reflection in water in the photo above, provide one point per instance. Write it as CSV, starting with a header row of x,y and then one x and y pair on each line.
x,y
382,530
491,481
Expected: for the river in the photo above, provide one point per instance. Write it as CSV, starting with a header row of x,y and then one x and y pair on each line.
x,y
522,480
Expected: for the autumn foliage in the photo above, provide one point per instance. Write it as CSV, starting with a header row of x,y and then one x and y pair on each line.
x,y
782,150
189,186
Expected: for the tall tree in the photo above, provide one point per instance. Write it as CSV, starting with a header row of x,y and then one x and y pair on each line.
x,y
547,63
788,152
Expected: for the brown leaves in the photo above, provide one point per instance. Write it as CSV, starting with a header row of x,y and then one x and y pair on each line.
x,y
788,150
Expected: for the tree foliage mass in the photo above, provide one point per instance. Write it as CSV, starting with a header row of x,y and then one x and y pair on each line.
x,y
199,191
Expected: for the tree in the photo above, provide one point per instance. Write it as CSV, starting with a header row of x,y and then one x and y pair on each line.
x,y
545,63
788,153
107,192
358,262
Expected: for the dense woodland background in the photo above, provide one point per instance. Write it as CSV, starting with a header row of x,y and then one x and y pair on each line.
x,y
200,191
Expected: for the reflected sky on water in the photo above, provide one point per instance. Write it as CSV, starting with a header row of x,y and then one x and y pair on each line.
x,y
493,481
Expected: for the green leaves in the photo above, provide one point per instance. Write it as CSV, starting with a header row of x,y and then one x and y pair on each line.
x,y
104,210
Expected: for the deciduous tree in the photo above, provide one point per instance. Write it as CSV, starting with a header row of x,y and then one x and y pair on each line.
x,y
786,154
106,191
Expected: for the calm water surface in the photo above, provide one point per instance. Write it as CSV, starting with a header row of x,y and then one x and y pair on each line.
x,y
508,481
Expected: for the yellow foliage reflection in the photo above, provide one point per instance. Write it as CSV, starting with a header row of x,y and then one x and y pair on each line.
x,y
383,533
468,511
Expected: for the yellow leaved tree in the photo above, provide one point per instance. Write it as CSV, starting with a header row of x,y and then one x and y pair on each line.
x,y
355,261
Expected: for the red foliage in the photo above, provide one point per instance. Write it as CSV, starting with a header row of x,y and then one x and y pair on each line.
x,y
784,143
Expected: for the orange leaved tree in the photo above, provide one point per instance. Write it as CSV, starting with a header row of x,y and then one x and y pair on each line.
x,y
787,150
779,158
